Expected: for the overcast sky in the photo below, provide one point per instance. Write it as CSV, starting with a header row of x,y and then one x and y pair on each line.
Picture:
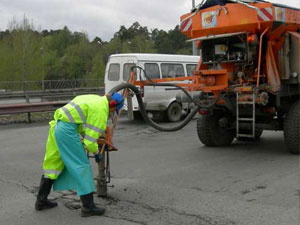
x,y
100,18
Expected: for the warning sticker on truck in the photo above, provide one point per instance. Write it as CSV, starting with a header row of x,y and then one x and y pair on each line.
x,y
265,14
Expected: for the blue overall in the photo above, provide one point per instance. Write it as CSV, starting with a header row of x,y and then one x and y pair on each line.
x,y
77,173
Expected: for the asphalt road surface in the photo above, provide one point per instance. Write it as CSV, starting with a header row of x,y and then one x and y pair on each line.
x,y
159,179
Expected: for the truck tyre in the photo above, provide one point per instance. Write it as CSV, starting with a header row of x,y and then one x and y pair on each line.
x,y
258,133
211,134
174,112
291,129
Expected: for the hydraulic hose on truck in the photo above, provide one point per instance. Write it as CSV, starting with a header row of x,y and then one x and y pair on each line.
x,y
143,110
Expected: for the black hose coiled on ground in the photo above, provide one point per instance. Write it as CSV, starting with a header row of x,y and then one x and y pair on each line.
x,y
144,113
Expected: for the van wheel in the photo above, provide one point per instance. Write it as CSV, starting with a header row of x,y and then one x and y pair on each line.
x,y
174,112
291,128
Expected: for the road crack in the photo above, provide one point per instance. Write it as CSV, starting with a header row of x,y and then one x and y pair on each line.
x,y
135,212
145,214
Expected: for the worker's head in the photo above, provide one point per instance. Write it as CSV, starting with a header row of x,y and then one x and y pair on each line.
x,y
117,102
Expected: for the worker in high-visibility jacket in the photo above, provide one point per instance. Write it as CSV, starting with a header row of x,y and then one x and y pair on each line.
x,y
66,165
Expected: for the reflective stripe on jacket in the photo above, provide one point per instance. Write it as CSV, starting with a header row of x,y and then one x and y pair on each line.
x,y
91,112
53,164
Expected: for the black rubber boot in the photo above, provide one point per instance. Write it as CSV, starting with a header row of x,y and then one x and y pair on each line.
x,y
41,200
88,206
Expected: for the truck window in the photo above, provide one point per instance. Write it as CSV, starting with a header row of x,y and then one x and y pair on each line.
x,y
114,72
190,68
126,70
152,70
172,70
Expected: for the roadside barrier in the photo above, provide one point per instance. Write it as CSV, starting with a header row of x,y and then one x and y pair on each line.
x,y
49,100
30,108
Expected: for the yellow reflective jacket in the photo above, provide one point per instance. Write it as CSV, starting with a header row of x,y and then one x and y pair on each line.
x,y
91,113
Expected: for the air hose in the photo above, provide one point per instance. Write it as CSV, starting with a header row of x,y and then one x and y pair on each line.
x,y
143,110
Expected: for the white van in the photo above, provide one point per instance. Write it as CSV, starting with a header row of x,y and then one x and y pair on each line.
x,y
158,100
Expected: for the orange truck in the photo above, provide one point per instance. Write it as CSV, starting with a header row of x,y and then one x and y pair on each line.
x,y
248,76
247,79
249,72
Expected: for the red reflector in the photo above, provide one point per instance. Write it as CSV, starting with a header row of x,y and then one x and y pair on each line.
x,y
252,38
269,110
203,111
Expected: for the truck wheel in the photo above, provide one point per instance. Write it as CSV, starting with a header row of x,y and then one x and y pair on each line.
x,y
258,133
174,112
211,133
291,129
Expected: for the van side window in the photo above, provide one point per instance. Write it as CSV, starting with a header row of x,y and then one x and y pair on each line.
x,y
126,70
152,70
172,70
114,72
190,68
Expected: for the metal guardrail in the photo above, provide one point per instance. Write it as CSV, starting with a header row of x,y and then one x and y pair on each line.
x,y
50,95
30,108
49,84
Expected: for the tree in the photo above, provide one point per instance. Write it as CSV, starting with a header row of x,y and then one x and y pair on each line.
x,y
6,60
134,30
77,60
26,54
113,47
171,42
98,42
162,43
179,41
61,39
98,69
25,46
140,44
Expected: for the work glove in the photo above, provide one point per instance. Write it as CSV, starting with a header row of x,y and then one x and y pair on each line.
x,y
98,157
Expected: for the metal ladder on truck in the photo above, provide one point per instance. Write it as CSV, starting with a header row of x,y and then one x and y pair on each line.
x,y
240,119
